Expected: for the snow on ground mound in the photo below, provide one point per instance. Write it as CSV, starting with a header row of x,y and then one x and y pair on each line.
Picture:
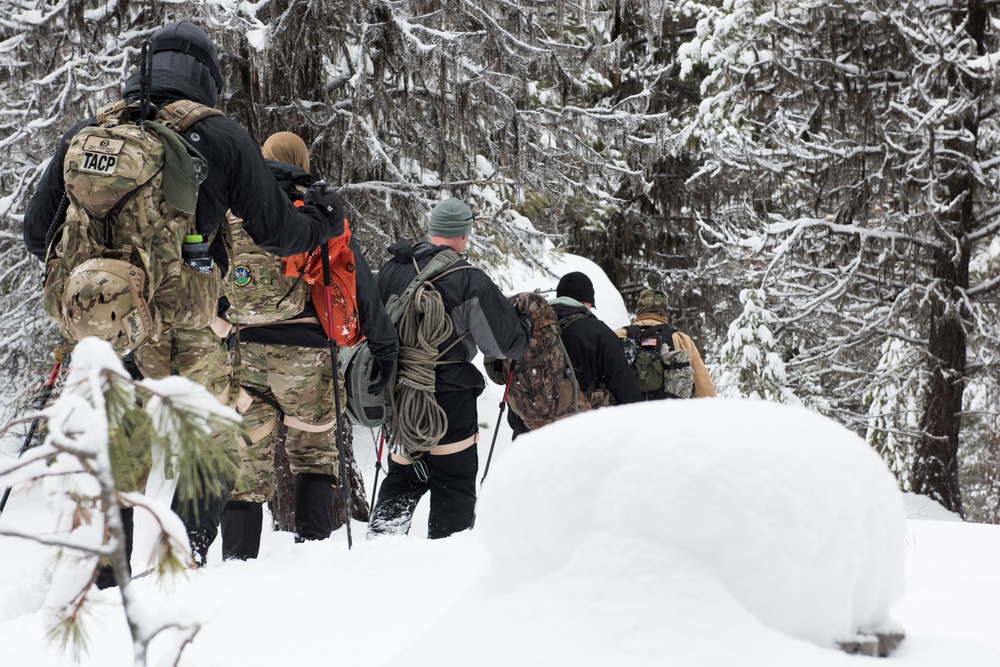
x,y
786,510
921,507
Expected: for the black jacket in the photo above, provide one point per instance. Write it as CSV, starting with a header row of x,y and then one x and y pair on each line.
x,y
238,178
375,323
597,355
474,303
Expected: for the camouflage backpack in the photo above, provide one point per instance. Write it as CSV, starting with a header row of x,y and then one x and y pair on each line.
x,y
544,386
259,292
114,268
660,370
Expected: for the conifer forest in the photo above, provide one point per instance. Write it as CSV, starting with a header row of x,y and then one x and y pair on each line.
x,y
816,183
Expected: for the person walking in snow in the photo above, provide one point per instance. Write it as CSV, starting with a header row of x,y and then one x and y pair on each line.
x,y
674,371
481,318
284,371
185,67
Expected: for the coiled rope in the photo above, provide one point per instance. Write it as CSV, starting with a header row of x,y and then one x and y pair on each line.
x,y
423,326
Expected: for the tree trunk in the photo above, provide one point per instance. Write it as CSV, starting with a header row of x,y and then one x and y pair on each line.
x,y
935,467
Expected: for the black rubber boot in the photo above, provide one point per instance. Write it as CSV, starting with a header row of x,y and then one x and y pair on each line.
x,y
201,519
106,576
314,496
242,522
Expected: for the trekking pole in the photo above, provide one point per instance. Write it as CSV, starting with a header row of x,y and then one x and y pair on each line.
x,y
43,399
496,429
378,466
345,494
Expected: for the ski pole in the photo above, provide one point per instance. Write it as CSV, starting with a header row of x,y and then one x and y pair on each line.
x,y
378,467
43,399
496,429
345,494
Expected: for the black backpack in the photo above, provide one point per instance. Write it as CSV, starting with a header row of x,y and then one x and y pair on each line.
x,y
660,370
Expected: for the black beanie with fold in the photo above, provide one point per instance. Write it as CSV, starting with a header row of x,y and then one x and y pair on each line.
x,y
577,286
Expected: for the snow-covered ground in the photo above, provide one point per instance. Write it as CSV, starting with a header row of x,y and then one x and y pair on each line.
x,y
747,533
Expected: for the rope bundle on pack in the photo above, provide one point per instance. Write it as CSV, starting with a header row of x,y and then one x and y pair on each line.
x,y
423,327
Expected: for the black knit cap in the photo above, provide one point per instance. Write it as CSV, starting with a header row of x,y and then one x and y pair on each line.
x,y
577,286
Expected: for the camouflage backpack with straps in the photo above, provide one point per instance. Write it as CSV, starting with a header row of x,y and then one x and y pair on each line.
x,y
661,371
114,267
544,386
258,290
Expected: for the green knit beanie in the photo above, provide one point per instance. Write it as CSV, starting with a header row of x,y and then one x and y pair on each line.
x,y
451,219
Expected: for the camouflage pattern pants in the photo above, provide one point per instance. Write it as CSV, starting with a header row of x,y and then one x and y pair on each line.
x,y
198,355
298,381
202,356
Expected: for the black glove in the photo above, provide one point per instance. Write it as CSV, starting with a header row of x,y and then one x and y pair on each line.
x,y
327,200
383,368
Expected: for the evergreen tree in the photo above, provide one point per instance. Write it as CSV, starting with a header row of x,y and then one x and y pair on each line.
x,y
750,365
88,463
850,144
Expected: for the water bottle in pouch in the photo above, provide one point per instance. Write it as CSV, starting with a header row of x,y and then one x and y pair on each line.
x,y
195,254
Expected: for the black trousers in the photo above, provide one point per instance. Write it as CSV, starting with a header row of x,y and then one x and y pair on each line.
x,y
451,480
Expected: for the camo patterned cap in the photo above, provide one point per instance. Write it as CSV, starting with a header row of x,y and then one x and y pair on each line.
x,y
651,301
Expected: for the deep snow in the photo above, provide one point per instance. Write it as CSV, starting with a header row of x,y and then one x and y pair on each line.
x,y
711,533
747,531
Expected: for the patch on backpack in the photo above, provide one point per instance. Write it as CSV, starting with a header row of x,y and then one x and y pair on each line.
x,y
242,275
649,342
100,155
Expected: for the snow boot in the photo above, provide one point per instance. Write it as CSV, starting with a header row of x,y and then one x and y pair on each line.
x,y
106,575
314,496
201,519
242,522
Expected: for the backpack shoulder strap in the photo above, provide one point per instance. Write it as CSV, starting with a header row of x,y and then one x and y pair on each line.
x,y
112,113
570,320
182,114
439,265
664,332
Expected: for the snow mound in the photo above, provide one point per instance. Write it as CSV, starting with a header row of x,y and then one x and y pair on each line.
x,y
922,507
788,511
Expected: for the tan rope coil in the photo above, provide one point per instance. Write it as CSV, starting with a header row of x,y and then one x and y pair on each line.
x,y
422,328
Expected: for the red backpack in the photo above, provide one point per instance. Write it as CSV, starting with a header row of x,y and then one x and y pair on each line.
x,y
343,287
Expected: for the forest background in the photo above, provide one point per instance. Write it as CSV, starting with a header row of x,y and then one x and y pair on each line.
x,y
814,182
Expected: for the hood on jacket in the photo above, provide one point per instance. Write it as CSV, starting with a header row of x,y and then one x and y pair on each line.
x,y
177,75
401,251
